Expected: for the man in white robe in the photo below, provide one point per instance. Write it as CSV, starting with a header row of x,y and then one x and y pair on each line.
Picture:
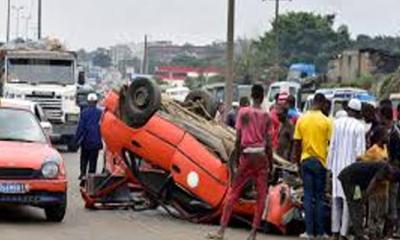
x,y
347,143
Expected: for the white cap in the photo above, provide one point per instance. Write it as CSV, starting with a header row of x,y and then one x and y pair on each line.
x,y
355,105
92,97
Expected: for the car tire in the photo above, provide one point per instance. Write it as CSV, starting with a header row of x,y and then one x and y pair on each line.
x,y
56,212
208,102
140,101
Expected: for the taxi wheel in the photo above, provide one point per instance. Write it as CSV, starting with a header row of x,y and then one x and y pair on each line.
x,y
56,213
206,100
141,100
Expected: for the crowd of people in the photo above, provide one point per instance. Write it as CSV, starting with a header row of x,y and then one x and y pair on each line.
x,y
355,157
358,153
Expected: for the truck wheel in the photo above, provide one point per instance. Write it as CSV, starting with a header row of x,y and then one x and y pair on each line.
x,y
56,213
205,99
140,101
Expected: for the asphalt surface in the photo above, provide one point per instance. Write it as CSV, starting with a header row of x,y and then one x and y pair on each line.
x,y
29,223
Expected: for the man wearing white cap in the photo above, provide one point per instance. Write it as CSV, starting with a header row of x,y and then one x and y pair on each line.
x,y
347,143
88,136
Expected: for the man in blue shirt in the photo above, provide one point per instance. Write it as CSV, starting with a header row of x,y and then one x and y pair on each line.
x,y
88,136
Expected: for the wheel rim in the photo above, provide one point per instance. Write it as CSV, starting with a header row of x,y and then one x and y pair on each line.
x,y
141,97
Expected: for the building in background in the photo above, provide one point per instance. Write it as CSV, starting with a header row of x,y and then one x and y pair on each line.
x,y
176,75
353,64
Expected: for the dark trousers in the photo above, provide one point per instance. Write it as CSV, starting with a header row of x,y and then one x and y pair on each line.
x,y
314,181
356,209
88,157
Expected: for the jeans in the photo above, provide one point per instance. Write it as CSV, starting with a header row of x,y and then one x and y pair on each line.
x,y
314,181
88,157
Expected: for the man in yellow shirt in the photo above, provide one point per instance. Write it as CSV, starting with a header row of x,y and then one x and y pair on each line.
x,y
311,138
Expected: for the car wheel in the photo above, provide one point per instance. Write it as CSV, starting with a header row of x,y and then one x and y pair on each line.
x,y
56,213
206,100
140,101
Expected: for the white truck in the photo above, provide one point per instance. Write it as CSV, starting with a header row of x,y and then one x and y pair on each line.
x,y
48,77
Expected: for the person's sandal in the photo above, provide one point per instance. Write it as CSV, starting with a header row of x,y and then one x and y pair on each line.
x,y
214,236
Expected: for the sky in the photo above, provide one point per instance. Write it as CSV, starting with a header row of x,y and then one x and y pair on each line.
x,y
93,23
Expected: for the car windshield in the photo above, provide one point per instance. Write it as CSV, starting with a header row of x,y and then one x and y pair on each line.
x,y
36,71
20,125
273,91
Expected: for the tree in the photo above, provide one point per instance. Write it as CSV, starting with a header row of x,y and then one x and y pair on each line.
x,y
304,37
187,60
101,58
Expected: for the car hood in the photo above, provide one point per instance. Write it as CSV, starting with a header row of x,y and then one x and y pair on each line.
x,y
24,155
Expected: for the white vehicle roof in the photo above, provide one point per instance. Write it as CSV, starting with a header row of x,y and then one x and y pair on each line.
x,y
176,89
286,83
24,104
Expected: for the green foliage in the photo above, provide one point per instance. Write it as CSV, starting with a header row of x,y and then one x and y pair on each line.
x,y
390,84
101,58
387,43
187,60
304,37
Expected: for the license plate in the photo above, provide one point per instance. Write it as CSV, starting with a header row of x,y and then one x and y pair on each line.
x,y
12,188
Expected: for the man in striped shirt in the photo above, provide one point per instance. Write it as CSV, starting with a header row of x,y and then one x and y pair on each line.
x,y
347,143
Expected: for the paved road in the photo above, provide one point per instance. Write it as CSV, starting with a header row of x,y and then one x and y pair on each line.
x,y
29,223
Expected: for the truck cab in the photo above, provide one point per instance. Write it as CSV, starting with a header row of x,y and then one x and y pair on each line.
x,y
48,78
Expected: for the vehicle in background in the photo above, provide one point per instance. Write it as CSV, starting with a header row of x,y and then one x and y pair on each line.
x,y
177,93
291,88
298,72
339,97
47,75
35,108
217,90
32,172
82,94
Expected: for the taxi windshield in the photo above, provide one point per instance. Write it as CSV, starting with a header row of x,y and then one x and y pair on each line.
x,y
20,126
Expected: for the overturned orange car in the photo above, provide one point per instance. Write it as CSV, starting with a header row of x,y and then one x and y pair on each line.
x,y
32,172
178,157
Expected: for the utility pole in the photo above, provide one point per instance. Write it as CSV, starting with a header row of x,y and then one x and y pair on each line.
x,y
18,10
145,65
277,43
229,56
277,36
27,19
39,19
8,19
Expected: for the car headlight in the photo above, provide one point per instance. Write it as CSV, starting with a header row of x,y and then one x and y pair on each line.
x,y
51,168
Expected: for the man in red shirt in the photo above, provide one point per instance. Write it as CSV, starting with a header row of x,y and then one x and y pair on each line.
x,y
255,150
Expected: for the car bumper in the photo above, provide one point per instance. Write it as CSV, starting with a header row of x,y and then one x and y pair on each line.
x,y
39,199
39,192
63,132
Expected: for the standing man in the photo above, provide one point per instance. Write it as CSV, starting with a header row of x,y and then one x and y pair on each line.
x,y
347,143
232,115
370,117
293,113
386,116
88,136
285,134
311,138
254,146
